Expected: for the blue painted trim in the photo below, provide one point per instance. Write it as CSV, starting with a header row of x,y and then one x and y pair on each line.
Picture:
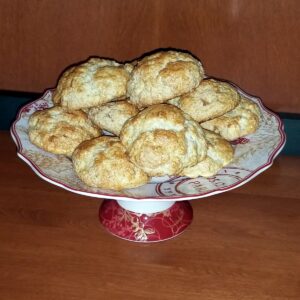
x,y
11,102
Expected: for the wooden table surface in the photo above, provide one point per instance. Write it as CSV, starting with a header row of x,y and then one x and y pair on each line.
x,y
243,244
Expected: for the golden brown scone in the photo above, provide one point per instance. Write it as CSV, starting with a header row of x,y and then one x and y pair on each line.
x,y
112,116
94,82
242,120
211,99
63,81
59,131
162,76
219,154
162,140
102,162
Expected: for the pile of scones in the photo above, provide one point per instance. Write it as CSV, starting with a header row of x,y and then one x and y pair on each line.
x,y
165,116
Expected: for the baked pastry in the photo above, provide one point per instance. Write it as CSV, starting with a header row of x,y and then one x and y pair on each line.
x,y
162,76
94,82
219,154
59,131
102,162
211,99
242,120
112,116
162,140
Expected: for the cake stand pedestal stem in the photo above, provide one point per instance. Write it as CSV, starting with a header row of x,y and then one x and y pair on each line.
x,y
145,221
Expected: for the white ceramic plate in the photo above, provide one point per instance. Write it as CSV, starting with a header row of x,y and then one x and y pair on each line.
x,y
253,154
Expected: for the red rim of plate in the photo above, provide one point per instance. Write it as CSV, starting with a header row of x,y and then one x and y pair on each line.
x,y
247,178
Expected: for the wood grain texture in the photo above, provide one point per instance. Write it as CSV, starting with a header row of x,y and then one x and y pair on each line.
x,y
255,43
242,244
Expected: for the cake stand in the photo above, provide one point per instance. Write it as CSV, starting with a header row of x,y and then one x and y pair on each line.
x,y
161,209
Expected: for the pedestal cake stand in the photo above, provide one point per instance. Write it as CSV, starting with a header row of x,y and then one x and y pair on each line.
x,y
159,210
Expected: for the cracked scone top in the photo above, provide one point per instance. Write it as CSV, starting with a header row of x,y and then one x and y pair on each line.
x,y
94,82
162,140
103,162
162,76
219,154
60,131
242,120
211,99
112,116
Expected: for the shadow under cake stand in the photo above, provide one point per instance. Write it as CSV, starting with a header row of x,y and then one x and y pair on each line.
x,y
161,209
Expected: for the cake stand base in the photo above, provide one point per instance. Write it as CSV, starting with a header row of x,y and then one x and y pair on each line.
x,y
143,221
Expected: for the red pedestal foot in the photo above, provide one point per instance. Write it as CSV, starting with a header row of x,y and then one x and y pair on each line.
x,y
145,227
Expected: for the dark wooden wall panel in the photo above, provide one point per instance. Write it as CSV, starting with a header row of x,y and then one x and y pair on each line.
x,y
252,43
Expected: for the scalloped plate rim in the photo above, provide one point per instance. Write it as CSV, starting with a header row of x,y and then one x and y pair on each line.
x,y
246,179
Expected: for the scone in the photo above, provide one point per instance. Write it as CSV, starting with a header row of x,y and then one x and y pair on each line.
x,y
211,99
112,116
94,82
162,140
242,120
59,131
219,154
162,76
102,162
